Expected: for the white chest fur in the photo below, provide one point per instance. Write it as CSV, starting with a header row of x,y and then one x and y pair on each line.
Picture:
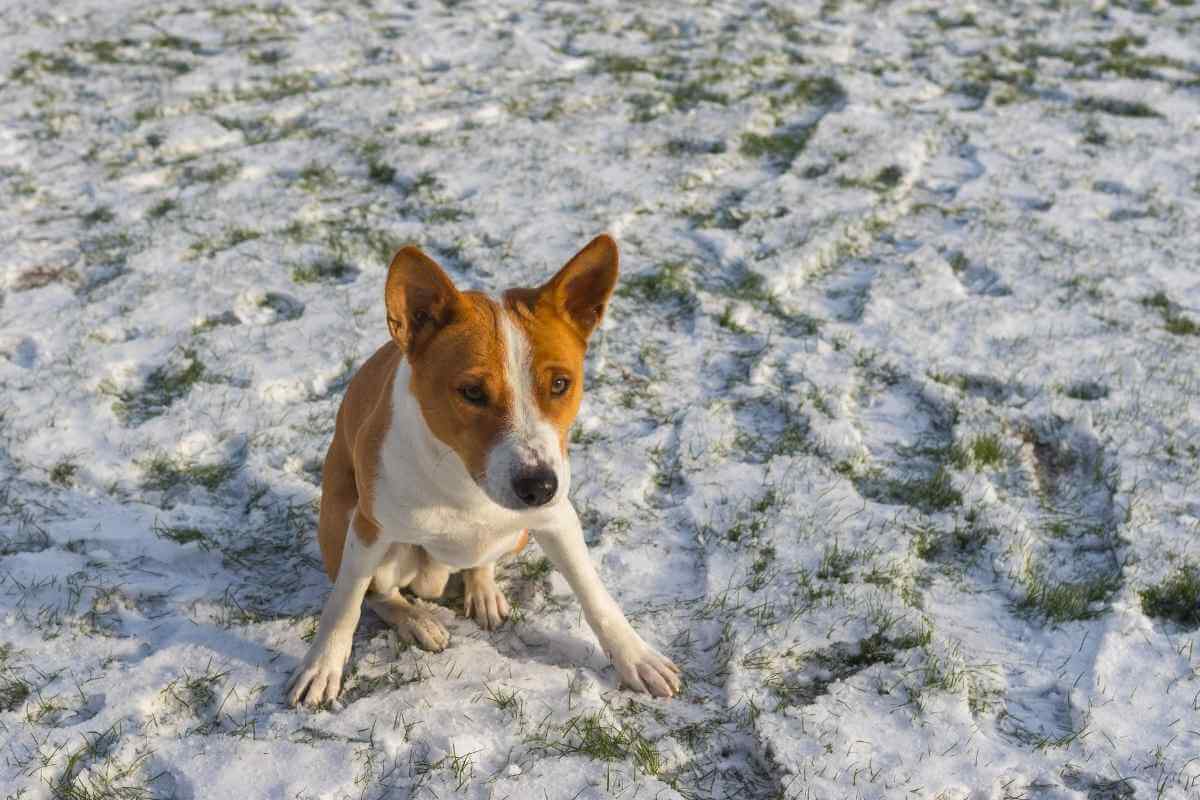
x,y
466,544
424,495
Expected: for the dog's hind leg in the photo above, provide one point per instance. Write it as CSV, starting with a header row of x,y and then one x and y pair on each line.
x,y
430,579
404,566
339,497
414,622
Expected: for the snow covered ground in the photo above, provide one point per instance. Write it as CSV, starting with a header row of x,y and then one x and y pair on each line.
x,y
892,438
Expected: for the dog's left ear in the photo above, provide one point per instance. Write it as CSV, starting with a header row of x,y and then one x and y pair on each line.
x,y
581,289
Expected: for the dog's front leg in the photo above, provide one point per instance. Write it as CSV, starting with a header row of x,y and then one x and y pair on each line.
x,y
319,677
640,666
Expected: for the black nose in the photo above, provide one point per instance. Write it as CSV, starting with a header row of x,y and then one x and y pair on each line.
x,y
535,488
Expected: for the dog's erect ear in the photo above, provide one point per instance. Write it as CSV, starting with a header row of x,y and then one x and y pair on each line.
x,y
420,298
580,291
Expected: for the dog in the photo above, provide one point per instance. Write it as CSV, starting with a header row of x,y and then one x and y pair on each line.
x,y
450,450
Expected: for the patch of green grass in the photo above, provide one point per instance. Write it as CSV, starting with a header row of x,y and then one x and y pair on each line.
x,y
106,51
743,528
1182,326
594,736
425,182
1122,61
63,473
161,473
966,540
14,690
283,305
394,678
332,270
618,65
667,283
268,57
265,128
769,500
752,288
1117,107
181,534
235,236
91,772
41,276
889,177
792,439
196,693
727,321
220,172
926,542
987,450
690,94
1086,390
1173,321
230,238
1158,300
836,563
970,536
758,569
162,387
36,61
682,146
1093,134
836,663
381,173
935,493
147,113
949,379
300,231
875,369
98,216
581,437
443,214
725,214
809,91
508,701
462,767
277,87
536,569
314,176
781,147
1065,601
162,208
214,321
1177,598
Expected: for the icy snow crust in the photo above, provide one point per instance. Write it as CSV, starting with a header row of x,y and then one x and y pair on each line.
x,y
892,423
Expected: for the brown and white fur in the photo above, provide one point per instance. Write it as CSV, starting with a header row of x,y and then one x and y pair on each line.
x,y
450,444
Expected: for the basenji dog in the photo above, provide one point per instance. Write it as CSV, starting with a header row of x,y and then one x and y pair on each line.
x,y
450,450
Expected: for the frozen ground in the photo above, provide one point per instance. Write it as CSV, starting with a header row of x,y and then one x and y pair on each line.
x,y
892,436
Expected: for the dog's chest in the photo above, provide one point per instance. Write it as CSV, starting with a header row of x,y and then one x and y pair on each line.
x,y
428,498
461,540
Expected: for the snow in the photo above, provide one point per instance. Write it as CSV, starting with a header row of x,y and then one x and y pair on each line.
x,y
857,241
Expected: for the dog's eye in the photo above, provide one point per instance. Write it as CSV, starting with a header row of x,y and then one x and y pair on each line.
x,y
474,395
559,386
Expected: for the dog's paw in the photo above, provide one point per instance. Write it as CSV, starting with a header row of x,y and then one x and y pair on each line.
x,y
421,627
318,679
485,603
644,669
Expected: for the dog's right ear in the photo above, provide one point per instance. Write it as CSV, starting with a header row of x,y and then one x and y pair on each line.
x,y
420,298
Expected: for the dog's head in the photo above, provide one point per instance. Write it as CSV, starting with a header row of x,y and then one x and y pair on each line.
x,y
500,381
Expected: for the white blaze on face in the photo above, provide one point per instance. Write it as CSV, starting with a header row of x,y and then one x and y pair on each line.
x,y
531,442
